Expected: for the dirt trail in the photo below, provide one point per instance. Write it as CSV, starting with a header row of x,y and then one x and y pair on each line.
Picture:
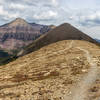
x,y
79,92
88,80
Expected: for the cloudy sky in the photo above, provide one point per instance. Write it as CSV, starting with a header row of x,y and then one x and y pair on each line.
x,y
83,14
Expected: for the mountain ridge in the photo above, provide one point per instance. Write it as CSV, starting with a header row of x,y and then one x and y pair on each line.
x,y
51,72
63,32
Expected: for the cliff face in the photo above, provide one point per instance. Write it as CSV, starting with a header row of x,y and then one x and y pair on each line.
x,y
21,32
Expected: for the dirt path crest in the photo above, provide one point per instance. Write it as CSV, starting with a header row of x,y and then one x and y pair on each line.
x,y
79,92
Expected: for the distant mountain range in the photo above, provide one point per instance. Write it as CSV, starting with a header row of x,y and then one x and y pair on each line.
x,y
19,33
62,32
97,40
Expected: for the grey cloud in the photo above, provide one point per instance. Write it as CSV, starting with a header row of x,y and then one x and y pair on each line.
x,y
90,19
41,8
48,12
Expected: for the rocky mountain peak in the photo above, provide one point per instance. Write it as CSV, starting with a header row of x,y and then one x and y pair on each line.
x,y
20,33
19,22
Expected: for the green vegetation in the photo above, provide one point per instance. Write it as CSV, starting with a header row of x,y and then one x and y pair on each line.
x,y
6,58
